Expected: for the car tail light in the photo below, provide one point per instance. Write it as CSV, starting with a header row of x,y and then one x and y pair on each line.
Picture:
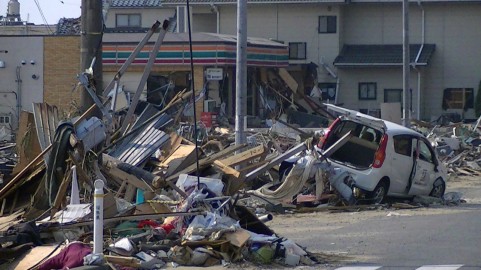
x,y
323,139
380,153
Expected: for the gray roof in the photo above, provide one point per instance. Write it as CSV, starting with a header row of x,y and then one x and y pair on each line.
x,y
68,27
382,55
135,3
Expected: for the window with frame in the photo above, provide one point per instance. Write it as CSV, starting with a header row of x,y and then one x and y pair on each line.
x,y
425,152
128,20
402,144
458,98
327,24
367,91
393,95
297,50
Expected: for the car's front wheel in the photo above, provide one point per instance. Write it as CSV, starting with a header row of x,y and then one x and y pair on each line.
x,y
438,188
379,193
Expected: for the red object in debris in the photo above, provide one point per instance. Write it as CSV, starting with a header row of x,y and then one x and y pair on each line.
x,y
70,257
147,222
209,119
167,227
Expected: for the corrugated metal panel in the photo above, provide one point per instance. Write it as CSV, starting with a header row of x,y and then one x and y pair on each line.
x,y
137,149
46,122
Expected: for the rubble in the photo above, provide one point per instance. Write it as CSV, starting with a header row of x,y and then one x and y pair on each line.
x,y
457,145
163,200
132,190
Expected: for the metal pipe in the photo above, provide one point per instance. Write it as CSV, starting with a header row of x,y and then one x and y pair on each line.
x,y
422,32
423,36
19,93
418,98
406,60
192,86
131,58
98,217
265,218
145,76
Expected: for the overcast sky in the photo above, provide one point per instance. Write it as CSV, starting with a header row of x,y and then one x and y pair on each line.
x,y
53,10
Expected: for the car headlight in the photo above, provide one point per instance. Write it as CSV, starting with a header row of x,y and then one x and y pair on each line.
x,y
356,192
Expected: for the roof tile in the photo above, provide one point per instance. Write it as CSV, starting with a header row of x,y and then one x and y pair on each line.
x,y
382,55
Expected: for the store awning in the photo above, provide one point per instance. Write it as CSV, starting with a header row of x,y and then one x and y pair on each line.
x,y
208,49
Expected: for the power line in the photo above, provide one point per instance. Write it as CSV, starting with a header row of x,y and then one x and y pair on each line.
x,y
43,16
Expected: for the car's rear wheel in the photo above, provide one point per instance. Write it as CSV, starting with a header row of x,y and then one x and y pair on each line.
x,y
379,193
439,187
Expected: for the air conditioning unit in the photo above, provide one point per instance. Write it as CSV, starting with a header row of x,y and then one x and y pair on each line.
x,y
209,105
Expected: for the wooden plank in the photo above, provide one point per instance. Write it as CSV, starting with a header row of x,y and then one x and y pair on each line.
x,y
121,188
203,163
27,141
226,169
14,203
33,256
83,176
179,159
130,192
62,190
124,261
8,187
4,202
243,157
288,79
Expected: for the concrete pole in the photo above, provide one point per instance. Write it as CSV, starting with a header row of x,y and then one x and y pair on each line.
x,y
98,217
91,46
241,72
406,62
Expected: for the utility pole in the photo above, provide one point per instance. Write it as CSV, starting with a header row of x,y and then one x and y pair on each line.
x,y
91,46
406,62
241,72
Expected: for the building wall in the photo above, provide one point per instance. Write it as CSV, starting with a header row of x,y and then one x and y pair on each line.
x,y
349,86
62,64
20,49
455,62
289,23
149,15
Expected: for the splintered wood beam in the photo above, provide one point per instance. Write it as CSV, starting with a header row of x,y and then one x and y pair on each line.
x,y
226,169
203,163
243,157
62,190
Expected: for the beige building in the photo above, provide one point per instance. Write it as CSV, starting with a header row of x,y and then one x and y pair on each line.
x,y
356,45
37,69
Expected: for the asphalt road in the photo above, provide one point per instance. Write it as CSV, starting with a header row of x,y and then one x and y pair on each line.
x,y
394,239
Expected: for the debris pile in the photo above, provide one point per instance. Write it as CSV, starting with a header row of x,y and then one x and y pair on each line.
x,y
124,184
457,145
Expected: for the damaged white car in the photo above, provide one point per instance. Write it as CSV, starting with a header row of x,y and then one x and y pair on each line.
x,y
381,159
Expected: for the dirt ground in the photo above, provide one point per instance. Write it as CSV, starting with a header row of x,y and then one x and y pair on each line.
x,y
303,227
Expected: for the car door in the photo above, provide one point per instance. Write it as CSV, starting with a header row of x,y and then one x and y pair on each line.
x,y
402,163
424,169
